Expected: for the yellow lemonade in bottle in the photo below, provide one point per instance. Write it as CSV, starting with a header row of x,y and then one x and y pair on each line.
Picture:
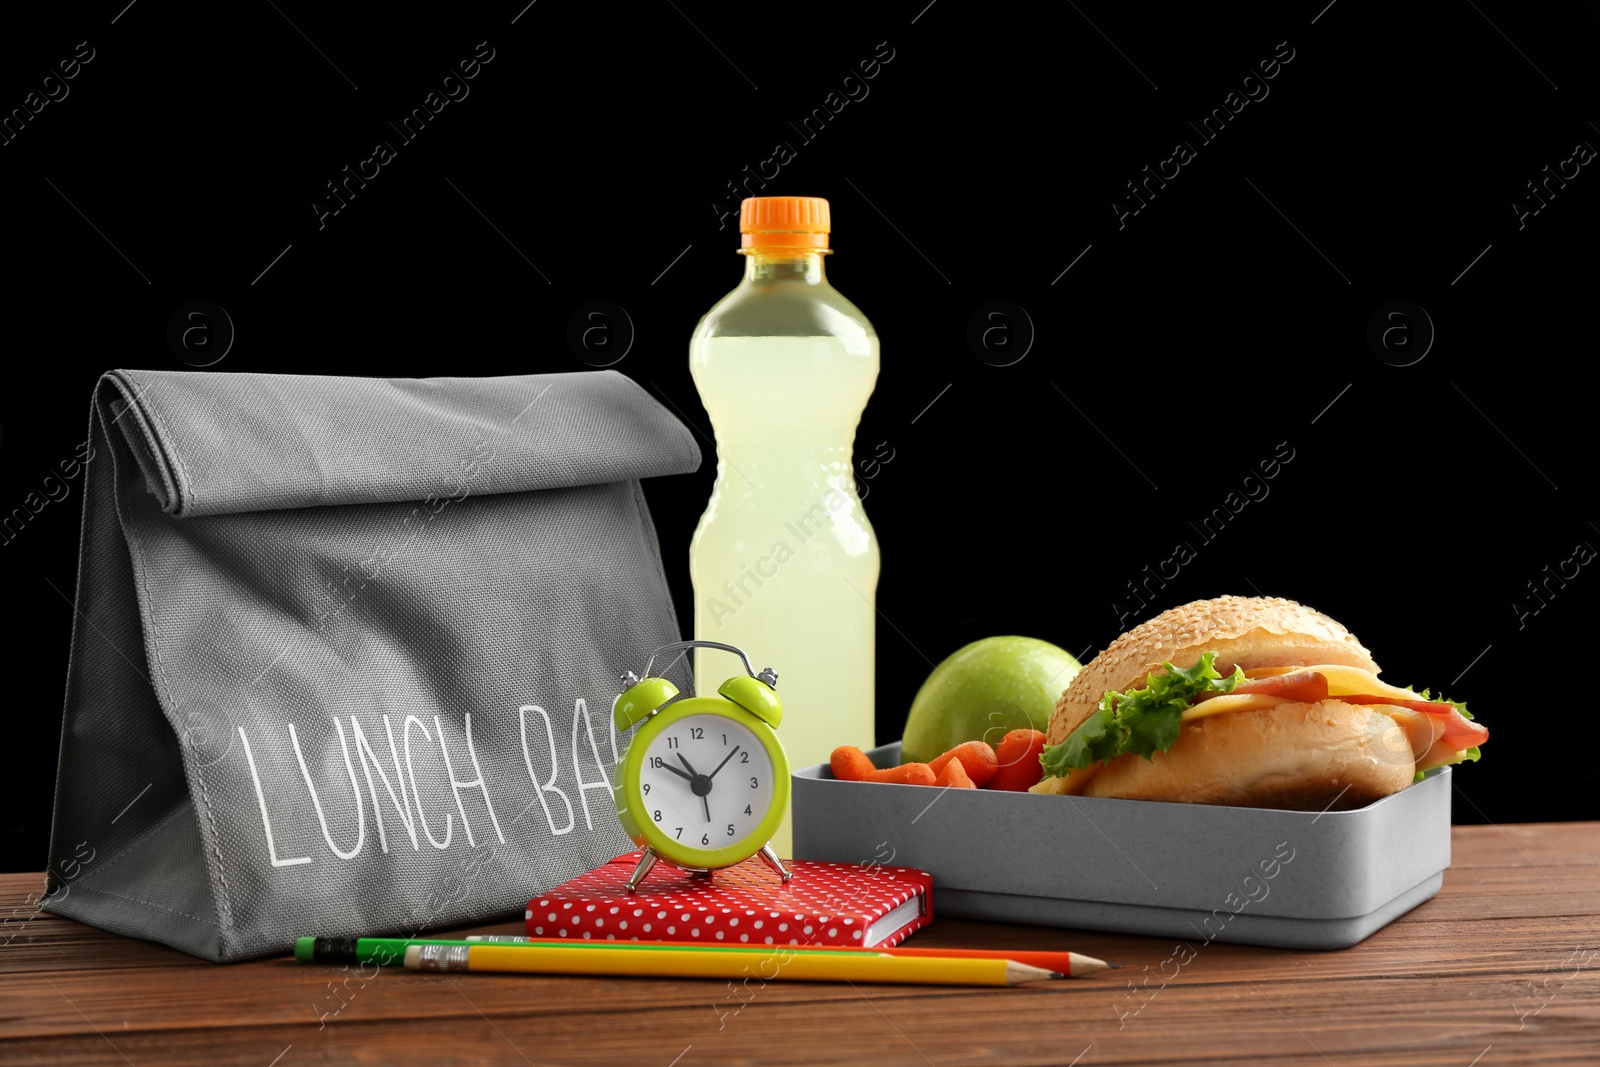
x,y
784,562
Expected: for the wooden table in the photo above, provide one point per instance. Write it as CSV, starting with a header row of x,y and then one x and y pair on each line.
x,y
1503,966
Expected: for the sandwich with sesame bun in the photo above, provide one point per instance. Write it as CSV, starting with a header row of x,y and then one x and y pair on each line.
x,y
1248,701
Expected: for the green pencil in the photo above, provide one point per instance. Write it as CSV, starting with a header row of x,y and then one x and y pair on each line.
x,y
392,950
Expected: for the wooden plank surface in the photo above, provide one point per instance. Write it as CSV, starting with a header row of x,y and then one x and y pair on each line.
x,y
1503,966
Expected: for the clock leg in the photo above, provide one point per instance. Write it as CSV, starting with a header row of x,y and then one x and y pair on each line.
x,y
770,856
646,861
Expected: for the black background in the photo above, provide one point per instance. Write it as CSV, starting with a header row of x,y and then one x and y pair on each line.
x,y
1173,357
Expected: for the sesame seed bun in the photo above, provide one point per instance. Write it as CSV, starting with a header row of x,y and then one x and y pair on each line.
x,y
1247,631
1295,755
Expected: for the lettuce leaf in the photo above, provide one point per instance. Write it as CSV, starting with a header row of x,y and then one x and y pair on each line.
x,y
1140,721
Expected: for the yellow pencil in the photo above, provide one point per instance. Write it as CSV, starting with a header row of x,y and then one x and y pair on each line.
x,y
812,966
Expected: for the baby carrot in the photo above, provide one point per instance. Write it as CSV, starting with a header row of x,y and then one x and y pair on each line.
x,y
850,764
976,757
954,775
905,774
1018,756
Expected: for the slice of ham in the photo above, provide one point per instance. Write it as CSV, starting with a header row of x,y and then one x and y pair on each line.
x,y
1452,731
1459,734
1305,685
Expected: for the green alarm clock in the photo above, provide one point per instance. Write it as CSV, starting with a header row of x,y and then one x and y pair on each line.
x,y
705,782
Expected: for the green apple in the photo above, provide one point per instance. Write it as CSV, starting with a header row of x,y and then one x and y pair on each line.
x,y
982,691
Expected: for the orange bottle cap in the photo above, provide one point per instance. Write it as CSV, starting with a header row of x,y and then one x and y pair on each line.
x,y
779,222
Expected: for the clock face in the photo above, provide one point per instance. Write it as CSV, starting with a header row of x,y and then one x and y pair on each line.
x,y
706,782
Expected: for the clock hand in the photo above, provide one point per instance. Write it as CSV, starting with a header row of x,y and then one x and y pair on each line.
x,y
724,762
695,782
696,779
674,770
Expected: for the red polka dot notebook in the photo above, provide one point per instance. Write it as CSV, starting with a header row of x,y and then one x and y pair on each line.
x,y
823,904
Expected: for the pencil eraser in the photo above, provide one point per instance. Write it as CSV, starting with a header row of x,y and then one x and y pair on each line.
x,y
304,947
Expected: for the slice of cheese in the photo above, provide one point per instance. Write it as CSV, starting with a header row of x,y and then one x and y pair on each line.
x,y
1232,702
1353,681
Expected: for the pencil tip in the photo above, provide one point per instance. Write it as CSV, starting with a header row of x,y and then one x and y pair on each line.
x,y
1057,974
1115,966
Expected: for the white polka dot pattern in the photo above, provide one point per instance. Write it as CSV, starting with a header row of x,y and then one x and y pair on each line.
x,y
828,903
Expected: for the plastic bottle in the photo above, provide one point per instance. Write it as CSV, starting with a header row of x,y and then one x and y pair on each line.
x,y
784,562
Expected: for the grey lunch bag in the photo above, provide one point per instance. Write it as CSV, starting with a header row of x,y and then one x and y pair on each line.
x,y
345,649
